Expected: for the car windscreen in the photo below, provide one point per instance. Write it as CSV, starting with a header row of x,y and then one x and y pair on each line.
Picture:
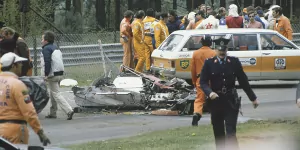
x,y
171,42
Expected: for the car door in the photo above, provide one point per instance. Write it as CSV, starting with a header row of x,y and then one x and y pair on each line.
x,y
245,47
280,57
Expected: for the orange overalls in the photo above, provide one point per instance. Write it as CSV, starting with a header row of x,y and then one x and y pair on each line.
x,y
148,40
126,41
197,63
138,43
283,26
16,109
161,32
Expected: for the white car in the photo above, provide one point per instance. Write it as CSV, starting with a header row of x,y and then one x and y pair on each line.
x,y
264,54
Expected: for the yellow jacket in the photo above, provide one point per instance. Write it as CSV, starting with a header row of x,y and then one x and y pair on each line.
x,y
161,32
138,32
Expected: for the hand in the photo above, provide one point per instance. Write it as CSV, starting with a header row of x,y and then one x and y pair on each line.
x,y
298,102
213,95
46,78
255,104
43,138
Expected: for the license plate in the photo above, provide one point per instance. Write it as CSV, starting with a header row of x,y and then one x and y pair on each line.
x,y
161,65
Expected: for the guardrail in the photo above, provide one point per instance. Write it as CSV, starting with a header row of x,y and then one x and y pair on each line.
x,y
90,54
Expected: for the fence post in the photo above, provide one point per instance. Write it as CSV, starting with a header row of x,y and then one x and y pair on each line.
x,y
102,57
35,55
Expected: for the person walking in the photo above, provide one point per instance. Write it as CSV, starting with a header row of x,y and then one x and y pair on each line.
x,y
197,63
217,80
52,68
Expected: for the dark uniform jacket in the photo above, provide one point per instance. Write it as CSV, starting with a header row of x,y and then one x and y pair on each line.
x,y
224,75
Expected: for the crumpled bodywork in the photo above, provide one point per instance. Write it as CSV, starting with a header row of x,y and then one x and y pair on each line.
x,y
133,90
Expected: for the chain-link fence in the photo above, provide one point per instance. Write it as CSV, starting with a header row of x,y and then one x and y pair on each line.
x,y
82,56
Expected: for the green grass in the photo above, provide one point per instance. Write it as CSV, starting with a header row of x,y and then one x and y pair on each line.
x,y
86,74
192,138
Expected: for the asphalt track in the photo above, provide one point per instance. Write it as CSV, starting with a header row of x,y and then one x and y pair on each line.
x,y
277,100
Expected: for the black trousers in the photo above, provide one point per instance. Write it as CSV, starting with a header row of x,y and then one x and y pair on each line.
x,y
224,120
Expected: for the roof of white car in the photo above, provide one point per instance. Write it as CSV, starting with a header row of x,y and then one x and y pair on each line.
x,y
224,31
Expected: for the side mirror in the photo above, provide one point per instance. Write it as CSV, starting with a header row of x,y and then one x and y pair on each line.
x,y
35,148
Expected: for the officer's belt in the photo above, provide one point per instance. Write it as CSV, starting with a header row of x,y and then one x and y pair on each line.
x,y
224,90
13,121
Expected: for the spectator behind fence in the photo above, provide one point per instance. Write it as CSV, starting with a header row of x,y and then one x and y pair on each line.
x,y
234,20
282,23
173,22
253,23
21,49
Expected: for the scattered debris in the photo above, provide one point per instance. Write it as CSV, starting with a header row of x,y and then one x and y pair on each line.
x,y
132,90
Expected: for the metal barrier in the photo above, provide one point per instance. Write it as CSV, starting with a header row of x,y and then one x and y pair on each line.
x,y
90,54
87,54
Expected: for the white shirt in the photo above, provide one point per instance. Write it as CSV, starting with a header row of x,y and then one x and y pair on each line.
x,y
265,22
209,23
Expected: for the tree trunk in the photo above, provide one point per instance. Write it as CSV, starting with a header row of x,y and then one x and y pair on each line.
x,y
68,5
118,14
78,6
100,13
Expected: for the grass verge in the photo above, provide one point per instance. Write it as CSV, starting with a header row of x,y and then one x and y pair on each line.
x,y
192,138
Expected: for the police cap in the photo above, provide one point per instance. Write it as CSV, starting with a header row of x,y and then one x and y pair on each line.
x,y
221,43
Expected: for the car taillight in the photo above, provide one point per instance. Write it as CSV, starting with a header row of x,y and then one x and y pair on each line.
x,y
173,63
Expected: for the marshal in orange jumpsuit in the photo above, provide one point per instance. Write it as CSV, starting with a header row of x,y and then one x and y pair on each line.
x,y
126,41
148,20
197,63
16,106
138,43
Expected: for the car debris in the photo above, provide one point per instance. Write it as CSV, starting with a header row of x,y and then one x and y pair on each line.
x,y
132,90
37,90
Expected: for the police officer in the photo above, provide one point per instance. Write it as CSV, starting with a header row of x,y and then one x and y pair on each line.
x,y
16,108
217,80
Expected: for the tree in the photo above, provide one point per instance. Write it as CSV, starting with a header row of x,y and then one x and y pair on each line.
x,y
100,13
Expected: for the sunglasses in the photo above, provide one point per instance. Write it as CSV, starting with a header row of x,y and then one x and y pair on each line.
x,y
251,16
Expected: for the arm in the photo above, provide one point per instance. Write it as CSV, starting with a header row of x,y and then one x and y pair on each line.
x,y
47,59
288,29
204,78
123,30
20,94
193,70
157,33
190,25
243,80
22,49
136,35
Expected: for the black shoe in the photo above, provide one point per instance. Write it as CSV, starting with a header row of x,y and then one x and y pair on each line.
x,y
70,115
196,118
50,117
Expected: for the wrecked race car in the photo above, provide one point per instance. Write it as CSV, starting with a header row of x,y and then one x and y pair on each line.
x,y
131,90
